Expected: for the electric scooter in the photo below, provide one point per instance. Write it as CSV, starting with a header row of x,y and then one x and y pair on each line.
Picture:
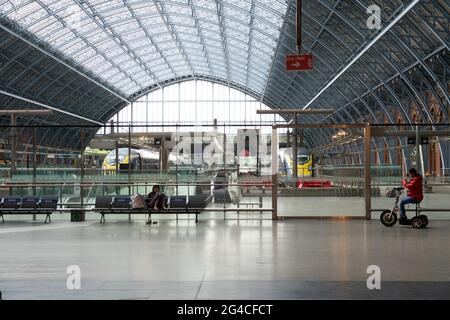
x,y
390,217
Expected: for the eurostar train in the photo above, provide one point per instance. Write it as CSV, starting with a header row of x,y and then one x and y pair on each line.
x,y
304,162
140,159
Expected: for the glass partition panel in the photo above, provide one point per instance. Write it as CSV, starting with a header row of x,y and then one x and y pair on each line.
x,y
424,148
324,180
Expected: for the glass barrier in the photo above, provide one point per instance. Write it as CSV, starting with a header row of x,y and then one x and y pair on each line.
x,y
226,166
321,185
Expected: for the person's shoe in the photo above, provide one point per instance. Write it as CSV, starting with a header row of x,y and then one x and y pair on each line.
x,y
404,221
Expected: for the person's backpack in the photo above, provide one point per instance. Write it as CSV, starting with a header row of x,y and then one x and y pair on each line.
x,y
137,201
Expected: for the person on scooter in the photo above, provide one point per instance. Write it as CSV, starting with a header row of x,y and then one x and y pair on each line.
x,y
414,194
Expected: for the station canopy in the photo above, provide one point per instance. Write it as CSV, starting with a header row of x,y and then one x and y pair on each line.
x,y
87,59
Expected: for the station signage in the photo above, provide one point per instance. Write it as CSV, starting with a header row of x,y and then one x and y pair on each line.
x,y
299,62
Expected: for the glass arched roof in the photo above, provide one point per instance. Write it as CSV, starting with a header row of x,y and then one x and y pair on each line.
x,y
90,58
132,45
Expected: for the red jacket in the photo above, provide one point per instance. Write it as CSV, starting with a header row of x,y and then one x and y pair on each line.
x,y
414,187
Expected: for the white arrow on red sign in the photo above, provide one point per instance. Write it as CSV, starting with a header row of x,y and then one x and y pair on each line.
x,y
299,62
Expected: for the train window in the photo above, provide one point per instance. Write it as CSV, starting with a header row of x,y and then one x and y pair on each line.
x,y
302,159
150,164
111,158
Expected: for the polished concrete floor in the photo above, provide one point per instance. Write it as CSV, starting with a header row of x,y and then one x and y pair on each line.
x,y
354,206
292,259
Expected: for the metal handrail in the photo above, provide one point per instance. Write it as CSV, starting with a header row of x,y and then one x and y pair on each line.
x,y
124,184
418,209
218,209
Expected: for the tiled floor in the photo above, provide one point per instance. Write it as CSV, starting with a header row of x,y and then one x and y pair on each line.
x,y
224,259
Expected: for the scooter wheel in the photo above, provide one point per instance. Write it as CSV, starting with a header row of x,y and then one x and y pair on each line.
x,y
388,218
417,223
424,220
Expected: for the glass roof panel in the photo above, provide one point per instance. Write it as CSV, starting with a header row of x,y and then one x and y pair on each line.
x,y
47,27
153,59
6,6
205,4
23,13
182,9
150,21
158,67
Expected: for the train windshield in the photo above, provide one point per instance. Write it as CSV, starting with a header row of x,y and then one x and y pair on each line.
x,y
111,157
302,159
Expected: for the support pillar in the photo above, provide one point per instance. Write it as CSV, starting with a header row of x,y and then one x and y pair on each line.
x,y
418,162
274,153
288,138
129,165
367,173
13,143
295,151
33,159
117,157
116,172
163,156
81,166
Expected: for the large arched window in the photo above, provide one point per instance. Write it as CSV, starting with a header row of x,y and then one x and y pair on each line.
x,y
197,103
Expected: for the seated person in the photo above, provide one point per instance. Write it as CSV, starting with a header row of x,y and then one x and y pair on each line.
x,y
156,199
414,195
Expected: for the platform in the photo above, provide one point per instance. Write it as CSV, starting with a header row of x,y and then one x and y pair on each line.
x,y
224,260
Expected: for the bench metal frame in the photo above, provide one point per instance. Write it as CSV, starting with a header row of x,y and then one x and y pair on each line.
x,y
149,212
32,211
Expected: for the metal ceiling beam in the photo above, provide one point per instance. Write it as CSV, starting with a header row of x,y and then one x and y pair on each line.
x,y
12,95
25,112
200,34
172,30
295,112
275,53
116,38
381,132
363,51
320,126
62,62
398,74
223,35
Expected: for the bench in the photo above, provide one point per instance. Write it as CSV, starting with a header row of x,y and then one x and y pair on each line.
x,y
29,205
122,205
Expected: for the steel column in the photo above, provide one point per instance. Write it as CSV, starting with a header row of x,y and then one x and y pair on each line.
x,y
274,153
295,150
13,143
81,165
367,173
